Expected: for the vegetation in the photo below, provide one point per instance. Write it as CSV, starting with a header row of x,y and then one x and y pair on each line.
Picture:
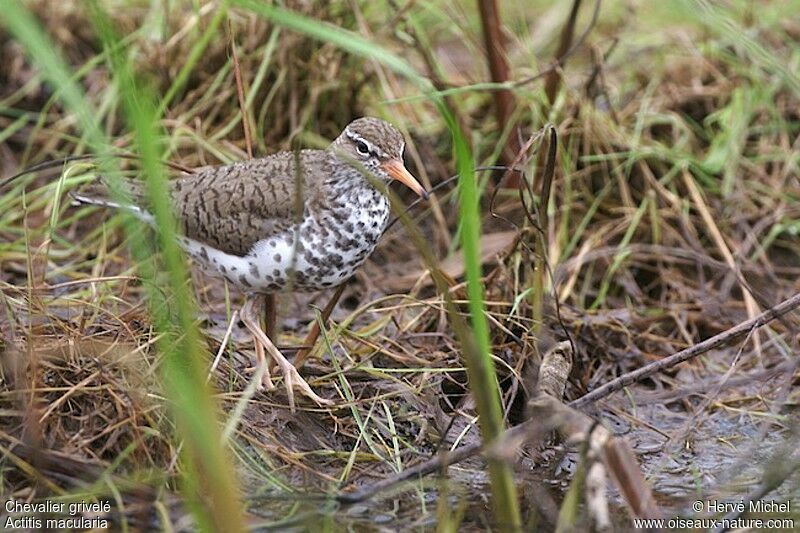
x,y
662,210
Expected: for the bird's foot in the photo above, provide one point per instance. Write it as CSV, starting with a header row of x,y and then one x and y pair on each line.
x,y
264,348
292,379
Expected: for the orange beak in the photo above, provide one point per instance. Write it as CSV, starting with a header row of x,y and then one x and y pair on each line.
x,y
396,170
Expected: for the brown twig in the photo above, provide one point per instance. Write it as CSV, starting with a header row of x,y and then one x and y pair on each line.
x,y
554,76
693,351
500,72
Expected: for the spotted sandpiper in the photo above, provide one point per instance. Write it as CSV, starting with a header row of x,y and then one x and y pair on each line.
x,y
302,221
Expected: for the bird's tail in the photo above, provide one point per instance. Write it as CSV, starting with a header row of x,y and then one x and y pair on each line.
x,y
98,193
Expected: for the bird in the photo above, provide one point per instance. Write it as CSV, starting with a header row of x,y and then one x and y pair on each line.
x,y
301,220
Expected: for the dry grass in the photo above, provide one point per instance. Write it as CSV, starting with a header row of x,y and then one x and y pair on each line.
x,y
674,216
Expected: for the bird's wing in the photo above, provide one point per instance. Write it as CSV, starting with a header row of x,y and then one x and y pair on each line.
x,y
234,206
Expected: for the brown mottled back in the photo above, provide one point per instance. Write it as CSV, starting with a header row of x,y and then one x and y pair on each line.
x,y
234,206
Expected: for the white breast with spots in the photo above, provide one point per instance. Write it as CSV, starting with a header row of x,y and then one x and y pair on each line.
x,y
323,252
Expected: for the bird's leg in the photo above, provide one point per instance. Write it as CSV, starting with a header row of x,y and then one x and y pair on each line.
x,y
290,375
271,322
261,358
313,334
250,317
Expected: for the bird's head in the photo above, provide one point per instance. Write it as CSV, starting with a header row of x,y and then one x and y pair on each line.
x,y
378,147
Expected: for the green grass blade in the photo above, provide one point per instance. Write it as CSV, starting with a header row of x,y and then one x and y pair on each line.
x,y
208,472
480,368
210,485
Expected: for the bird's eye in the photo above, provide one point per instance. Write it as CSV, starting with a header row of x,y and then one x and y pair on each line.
x,y
362,148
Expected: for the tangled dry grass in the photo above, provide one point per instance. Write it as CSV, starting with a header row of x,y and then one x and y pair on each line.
x,y
674,216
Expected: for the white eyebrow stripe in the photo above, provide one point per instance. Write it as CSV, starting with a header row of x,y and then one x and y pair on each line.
x,y
372,148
